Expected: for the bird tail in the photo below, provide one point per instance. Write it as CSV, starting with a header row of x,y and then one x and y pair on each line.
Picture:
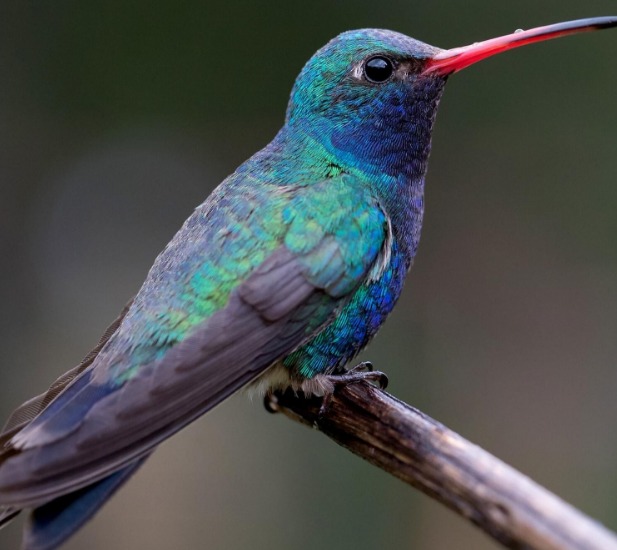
x,y
53,523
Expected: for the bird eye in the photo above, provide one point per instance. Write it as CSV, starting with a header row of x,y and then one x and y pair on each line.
x,y
378,69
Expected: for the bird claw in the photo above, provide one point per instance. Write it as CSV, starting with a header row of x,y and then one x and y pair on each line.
x,y
361,372
271,403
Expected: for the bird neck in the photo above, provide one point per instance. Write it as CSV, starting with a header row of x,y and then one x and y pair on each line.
x,y
387,145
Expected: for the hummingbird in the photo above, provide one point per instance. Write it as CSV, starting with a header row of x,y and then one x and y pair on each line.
x,y
278,279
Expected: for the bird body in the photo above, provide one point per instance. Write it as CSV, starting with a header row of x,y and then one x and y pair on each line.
x,y
278,279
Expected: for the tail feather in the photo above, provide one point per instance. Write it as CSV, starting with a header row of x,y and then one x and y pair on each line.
x,y
53,523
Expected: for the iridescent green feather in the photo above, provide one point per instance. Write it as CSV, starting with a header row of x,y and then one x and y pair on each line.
x,y
336,228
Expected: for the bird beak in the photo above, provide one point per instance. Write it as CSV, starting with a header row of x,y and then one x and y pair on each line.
x,y
452,61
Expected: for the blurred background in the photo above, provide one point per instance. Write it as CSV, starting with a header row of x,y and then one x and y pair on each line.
x,y
117,119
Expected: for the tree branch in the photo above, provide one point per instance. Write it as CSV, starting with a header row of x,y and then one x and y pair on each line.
x,y
403,441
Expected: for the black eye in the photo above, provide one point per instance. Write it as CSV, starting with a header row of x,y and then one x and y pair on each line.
x,y
378,69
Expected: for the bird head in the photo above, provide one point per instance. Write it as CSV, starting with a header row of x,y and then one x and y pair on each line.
x,y
370,96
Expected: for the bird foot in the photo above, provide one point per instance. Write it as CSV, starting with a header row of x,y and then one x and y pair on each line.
x,y
328,383
361,372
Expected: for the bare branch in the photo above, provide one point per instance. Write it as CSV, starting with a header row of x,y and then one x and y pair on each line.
x,y
401,440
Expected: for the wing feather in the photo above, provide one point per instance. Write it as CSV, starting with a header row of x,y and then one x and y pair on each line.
x,y
26,412
120,425
97,424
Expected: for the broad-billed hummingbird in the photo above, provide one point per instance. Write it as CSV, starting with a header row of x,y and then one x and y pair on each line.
x,y
278,279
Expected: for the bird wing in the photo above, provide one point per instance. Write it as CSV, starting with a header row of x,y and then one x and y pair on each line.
x,y
332,239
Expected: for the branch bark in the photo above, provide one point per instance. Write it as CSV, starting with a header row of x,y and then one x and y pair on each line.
x,y
420,451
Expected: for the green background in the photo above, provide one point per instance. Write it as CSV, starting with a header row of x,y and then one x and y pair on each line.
x,y
116,119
